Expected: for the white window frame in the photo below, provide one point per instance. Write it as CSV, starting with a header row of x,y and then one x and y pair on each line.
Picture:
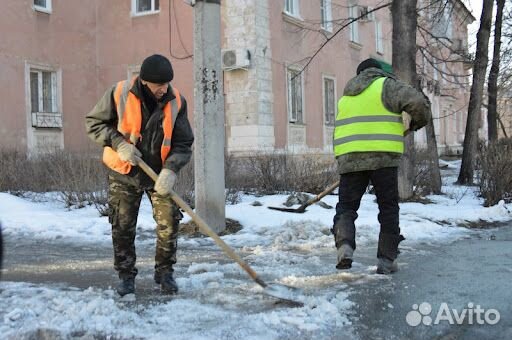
x,y
460,123
354,26
45,9
443,22
324,100
379,40
293,116
135,13
132,71
326,15
45,118
292,8
449,15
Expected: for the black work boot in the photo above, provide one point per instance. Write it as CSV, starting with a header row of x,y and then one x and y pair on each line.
x,y
345,253
168,284
387,253
126,286
157,277
345,240
386,266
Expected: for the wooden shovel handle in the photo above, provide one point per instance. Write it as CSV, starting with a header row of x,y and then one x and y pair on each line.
x,y
320,195
203,226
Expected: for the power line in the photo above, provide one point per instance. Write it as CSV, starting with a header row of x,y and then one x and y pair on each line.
x,y
188,54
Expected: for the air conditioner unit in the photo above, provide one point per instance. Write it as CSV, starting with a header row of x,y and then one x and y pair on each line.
x,y
365,13
233,59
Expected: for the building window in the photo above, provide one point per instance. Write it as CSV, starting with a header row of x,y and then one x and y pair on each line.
x,y
295,103
442,22
43,5
143,7
379,43
43,99
329,100
459,124
326,14
291,7
354,26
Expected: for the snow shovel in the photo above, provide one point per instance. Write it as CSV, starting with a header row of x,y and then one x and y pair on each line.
x,y
279,291
315,199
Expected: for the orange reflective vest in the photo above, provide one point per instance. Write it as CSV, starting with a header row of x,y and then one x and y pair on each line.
x,y
129,114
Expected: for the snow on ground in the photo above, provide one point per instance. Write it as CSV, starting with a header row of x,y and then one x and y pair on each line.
x,y
217,300
49,220
100,312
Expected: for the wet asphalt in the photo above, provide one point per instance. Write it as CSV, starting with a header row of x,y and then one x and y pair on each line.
x,y
474,271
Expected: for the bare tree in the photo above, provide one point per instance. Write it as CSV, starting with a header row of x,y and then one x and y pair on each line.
x,y
492,87
442,60
504,90
429,52
475,99
404,65
444,57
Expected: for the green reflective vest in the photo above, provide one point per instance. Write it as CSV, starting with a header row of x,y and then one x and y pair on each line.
x,y
363,124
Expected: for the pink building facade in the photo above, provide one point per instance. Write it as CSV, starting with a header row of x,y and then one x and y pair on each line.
x,y
57,57
444,68
56,61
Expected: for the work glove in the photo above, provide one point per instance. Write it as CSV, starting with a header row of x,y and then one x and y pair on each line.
x,y
413,126
128,152
165,182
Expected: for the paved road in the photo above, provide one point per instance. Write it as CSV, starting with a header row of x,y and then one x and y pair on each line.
x,y
475,270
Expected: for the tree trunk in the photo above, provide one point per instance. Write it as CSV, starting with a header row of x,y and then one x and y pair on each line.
x,y
475,99
503,129
435,174
404,65
492,87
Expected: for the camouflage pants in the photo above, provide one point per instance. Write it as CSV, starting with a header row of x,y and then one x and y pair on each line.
x,y
124,202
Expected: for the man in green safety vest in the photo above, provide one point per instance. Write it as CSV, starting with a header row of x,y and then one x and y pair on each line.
x,y
368,143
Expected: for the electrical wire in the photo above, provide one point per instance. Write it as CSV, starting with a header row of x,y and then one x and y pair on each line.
x,y
188,54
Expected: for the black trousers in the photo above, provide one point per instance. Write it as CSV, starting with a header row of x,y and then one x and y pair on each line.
x,y
352,187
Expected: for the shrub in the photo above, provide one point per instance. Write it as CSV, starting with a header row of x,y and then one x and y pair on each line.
x,y
423,173
271,173
494,176
81,179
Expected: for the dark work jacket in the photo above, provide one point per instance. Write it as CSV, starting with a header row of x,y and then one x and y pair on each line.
x,y
101,127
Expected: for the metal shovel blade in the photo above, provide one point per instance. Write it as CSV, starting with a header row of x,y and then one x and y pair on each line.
x,y
315,199
284,293
298,210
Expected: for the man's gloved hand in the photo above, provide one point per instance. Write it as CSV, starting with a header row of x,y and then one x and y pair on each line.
x,y
413,126
165,182
128,152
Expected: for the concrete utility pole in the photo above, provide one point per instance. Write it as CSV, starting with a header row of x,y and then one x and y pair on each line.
x,y
209,115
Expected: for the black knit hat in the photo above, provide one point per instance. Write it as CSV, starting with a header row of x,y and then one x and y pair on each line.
x,y
370,62
156,69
